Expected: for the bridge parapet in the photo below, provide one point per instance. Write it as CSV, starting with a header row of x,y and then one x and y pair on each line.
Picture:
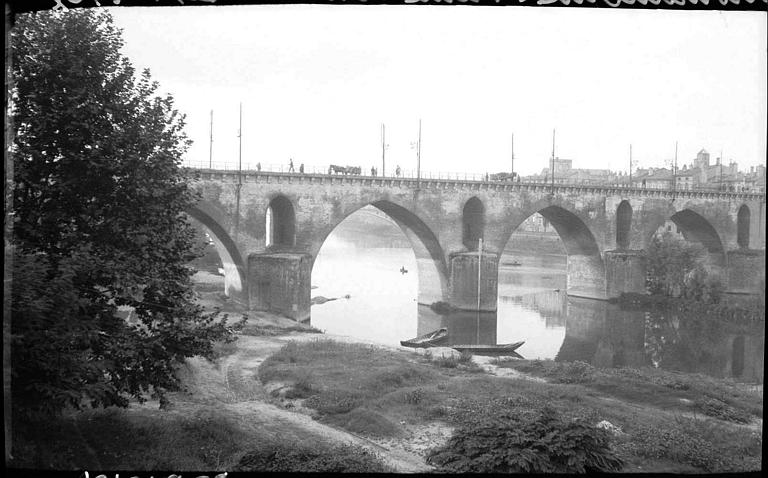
x,y
471,185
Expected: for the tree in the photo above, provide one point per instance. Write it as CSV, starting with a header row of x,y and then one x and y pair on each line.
x,y
99,222
677,268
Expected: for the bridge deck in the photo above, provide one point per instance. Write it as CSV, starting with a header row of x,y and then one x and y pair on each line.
x,y
253,176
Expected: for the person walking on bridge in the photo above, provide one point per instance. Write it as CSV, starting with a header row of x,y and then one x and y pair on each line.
x,y
290,165
397,171
301,168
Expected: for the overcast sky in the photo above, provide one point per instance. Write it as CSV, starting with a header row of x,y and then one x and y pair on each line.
x,y
317,82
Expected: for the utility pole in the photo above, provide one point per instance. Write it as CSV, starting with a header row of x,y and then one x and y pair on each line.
x,y
630,165
240,148
674,171
479,269
383,148
553,161
721,169
210,149
239,173
418,159
513,155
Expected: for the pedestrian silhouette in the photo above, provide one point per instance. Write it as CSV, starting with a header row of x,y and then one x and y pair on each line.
x,y
301,168
258,166
290,166
397,171
373,171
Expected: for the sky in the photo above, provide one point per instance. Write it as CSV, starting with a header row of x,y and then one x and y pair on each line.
x,y
316,83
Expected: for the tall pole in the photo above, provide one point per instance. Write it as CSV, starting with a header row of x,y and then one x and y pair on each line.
x,y
479,269
721,169
418,159
674,171
630,165
383,148
513,154
553,160
239,174
240,148
210,149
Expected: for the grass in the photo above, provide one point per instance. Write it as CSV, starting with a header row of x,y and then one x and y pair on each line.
x,y
119,440
268,330
341,459
369,390
718,398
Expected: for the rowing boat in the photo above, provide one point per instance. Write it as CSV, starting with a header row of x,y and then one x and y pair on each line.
x,y
493,350
427,340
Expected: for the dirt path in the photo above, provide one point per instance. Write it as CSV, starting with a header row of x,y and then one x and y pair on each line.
x,y
232,385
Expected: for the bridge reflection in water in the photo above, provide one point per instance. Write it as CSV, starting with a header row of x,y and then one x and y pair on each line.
x,y
382,308
603,335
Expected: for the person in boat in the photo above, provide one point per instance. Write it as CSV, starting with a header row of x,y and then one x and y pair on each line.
x,y
403,270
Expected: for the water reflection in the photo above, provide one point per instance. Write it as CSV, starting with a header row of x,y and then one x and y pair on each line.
x,y
532,307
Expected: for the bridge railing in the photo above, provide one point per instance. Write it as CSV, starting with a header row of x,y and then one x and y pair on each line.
x,y
450,176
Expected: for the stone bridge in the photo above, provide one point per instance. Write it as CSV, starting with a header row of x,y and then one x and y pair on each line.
x,y
269,227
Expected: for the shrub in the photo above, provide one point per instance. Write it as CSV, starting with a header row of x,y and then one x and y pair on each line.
x,y
527,443
414,396
334,402
718,409
341,459
693,442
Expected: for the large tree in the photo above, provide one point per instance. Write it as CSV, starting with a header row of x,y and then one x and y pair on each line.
x,y
99,222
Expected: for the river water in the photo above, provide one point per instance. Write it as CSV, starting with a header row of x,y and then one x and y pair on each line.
x,y
532,306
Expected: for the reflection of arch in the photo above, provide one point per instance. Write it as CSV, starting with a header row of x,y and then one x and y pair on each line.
x,y
281,222
694,227
432,270
742,227
234,268
623,224
473,223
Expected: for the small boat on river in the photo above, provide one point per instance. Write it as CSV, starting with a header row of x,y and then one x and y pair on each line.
x,y
513,263
432,339
491,350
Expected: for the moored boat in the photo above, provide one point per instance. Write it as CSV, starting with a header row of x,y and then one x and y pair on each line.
x,y
431,339
493,350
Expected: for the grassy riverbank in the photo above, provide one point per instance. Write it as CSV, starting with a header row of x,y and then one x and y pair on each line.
x,y
282,398
663,416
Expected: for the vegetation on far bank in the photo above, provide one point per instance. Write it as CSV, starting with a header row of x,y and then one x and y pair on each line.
x,y
376,391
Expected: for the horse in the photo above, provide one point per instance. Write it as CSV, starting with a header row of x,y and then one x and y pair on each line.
x,y
334,169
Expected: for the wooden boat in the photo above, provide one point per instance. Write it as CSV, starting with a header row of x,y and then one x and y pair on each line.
x,y
493,350
513,263
427,340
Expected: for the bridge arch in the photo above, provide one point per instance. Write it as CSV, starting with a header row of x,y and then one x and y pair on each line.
x,y
431,265
234,266
585,265
742,227
280,218
473,223
695,227
623,224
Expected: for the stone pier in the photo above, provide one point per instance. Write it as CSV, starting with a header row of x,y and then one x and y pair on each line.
x,y
463,281
746,271
586,276
280,283
624,272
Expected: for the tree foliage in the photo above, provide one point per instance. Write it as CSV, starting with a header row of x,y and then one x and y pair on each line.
x,y
99,201
677,268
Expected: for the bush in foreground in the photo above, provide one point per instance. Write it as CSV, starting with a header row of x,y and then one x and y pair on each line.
x,y
341,459
527,443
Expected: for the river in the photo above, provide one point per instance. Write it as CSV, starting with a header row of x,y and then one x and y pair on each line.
x,y
532,306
